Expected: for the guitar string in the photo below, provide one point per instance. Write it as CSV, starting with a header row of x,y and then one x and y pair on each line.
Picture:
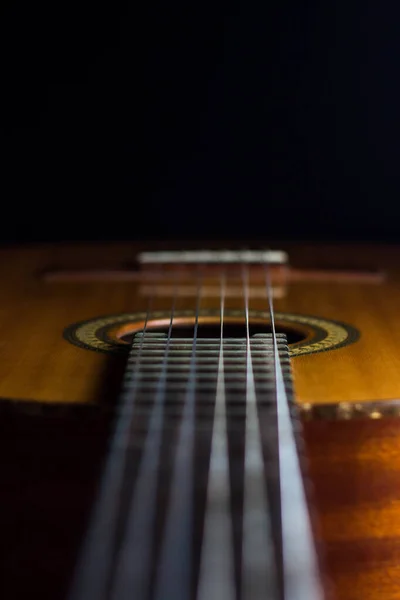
x,y
299,561
173,578
216,577
250,395
132,577
93,571
258,561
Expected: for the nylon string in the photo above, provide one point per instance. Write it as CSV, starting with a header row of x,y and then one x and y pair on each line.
x,y
216,579
132,578
300,570
93,573
258,561
175,565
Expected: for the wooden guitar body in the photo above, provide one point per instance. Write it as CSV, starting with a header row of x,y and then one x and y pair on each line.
x,y
66,317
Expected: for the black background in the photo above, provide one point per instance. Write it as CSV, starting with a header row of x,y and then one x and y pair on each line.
x,y
209,120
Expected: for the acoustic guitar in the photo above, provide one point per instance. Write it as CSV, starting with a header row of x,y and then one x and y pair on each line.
x,y
185,422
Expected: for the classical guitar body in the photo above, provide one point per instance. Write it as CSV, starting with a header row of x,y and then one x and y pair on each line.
x,y
198,351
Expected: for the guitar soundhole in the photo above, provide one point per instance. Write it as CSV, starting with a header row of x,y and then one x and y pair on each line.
x,y
305,334
231,330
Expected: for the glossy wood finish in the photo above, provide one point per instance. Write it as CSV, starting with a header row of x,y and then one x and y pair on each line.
x,y
37,364
49,467
50,461
354,467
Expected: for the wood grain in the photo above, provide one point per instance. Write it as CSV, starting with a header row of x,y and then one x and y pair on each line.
x,y
50,462
354,467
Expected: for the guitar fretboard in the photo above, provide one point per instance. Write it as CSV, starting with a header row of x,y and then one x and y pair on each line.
x,y
190,504
202,486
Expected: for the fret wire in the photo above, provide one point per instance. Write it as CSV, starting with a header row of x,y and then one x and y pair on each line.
x,y
237,389
206,341
231,373
208,378
211,361
179,365
181,354
182,366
